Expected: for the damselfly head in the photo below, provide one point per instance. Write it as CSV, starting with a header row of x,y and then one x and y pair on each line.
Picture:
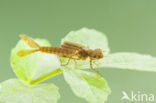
x,y
97,54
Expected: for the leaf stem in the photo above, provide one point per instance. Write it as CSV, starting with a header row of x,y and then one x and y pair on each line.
x,y
46,76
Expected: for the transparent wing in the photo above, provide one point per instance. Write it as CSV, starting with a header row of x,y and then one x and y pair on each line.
x,y
71,45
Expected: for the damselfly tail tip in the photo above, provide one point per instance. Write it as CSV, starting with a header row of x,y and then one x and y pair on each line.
x,y
26,52
23,36
20,53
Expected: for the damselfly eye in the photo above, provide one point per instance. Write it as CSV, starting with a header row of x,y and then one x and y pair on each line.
x,y
95,56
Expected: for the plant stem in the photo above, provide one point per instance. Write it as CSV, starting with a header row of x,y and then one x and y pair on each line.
x,y
46,76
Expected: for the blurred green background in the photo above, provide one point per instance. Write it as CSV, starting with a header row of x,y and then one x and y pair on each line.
x,y
130,25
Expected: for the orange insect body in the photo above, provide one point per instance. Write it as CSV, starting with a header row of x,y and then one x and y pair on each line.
x,y
58,51
68,49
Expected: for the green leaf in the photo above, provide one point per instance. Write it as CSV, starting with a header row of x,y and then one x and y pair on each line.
x,y
33,66
15,91
89,38
87,85
127,60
